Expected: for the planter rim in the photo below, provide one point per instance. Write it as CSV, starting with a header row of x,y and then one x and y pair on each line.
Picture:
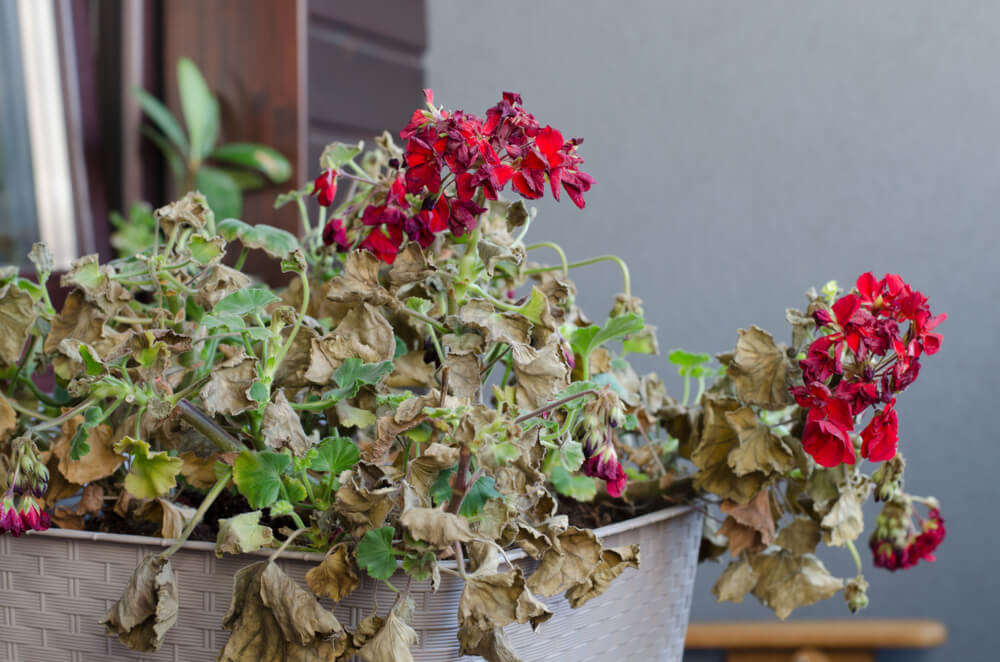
x,y
120,538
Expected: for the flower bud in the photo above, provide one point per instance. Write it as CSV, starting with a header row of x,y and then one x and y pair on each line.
x,y
856,594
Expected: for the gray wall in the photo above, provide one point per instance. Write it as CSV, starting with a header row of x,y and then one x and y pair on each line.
x,y
746,150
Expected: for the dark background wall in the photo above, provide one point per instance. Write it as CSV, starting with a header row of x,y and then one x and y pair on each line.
x,y
745,151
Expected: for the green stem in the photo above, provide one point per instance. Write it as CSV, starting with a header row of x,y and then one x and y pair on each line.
x,y
20,364
241,259
24,410
55,422
553,405
430,321
594,260
557,248
497,303
855,556
295,328
121,319
687,390
201,422
304,215
506,373
437,344
212,495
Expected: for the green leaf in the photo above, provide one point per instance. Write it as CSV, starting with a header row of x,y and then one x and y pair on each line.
x,y
334,455
353,373
336,155
151,473
258,392
688,364
244,302
586,339
581,488
274,241
221,191
375,554
92,363
241,534
245,180
162,118
200,108
482,491
256,157
205,251
571,455
354,417
258,476
295,488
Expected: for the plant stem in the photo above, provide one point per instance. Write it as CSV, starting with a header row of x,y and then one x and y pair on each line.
x,y
593,260
558,249
55,422
430,321
24,410
206,503
20,364
461,485
288,541
241,259
298,323
201,422
855,555
654,451
553,405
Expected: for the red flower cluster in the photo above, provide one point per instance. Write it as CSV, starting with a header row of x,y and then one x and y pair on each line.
x,y
451,160
25,516
874,339
891,554
604,464
601,416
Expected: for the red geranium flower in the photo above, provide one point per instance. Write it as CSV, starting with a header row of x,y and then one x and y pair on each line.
x,y
881,437
325,187
827,433
604,464
384,246
10,518
334,233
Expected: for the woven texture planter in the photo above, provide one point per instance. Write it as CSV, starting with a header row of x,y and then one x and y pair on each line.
x,y
55,586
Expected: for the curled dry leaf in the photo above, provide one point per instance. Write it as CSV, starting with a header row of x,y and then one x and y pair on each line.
x,y
735,582
226,390
364,333
799,537
496,600
198,471
147,608
97,284
845,521
613,563
273,618
8,419
171,517
437,527
335,577
711,454
411,371
540,374
787,581
281,427
241,534
17,316
219,282
759,448
749,526
424,470
504,327
392,642
363,507
492,645
566,564
100,462
410,267
359,281
761,370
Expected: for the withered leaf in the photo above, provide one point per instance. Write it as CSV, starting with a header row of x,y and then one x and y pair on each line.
x,y
335,576
735,582
760,370
496,600
171,517
17,316
492,644
190,211
845,521
392,642
147,608
799,537
66,518
711,453
409,267
613,563
504,327
100,462
364,333
424,470
411,371
273,618
226,390
281,427
198,471
241,534
8,419
570,563
91,500
437,527
464,378
540,373
749,526
219,282
787,581
759,449
359,281
362,507
97,284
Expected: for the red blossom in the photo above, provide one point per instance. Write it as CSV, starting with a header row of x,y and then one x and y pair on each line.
x,y
881,436
385,247
335,234
604,464
325,187
826,436
10,518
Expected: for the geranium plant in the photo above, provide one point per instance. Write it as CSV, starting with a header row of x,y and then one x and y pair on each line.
x,y
422,393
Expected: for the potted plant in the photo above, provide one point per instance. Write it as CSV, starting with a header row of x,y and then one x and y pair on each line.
x,y
425,430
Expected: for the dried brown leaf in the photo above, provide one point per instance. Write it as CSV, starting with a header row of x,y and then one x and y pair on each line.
x,y
735,582
8,419
281,427
799,537
760,370
364,333
759,449
392,642
496,600
437,527
613,563
147,608
540,374
198,471
100,462
711,452
335,576
786,581
567,564
17,316
226,390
